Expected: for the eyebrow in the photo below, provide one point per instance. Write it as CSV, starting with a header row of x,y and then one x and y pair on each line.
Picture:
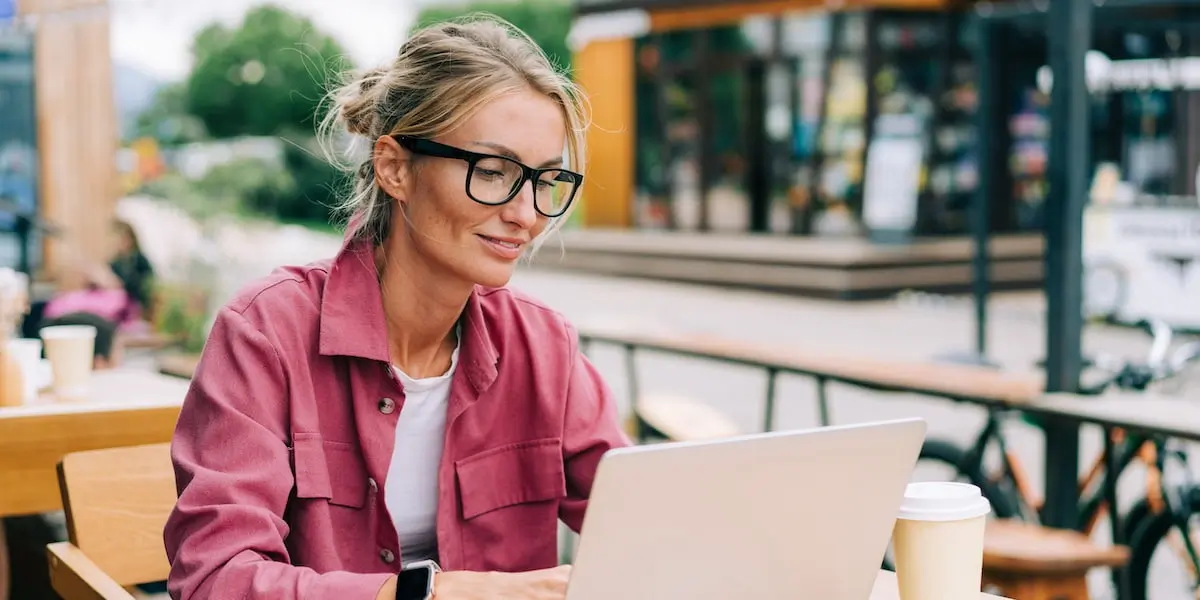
x,y
507,152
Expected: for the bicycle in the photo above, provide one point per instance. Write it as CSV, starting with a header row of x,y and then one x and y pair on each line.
x,y
1170,498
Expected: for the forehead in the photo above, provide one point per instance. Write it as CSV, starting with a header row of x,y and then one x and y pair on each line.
x,y
529,123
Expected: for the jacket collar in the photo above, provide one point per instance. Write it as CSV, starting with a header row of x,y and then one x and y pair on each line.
x,y
353,323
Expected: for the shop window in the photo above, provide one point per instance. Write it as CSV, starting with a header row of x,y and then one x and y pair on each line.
x,y
684,153
653,193
728,203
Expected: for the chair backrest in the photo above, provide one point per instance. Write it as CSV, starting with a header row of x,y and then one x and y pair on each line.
x,y
117,501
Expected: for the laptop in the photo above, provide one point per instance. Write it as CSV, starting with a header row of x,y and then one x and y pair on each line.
x,y
798,514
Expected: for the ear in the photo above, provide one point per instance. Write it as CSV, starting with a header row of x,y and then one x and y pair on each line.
x,y
391,162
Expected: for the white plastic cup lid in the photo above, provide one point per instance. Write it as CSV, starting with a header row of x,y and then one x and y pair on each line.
x,y
59,332
943,501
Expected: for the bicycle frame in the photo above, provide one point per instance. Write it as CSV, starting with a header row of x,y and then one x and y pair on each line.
x,y
1094,501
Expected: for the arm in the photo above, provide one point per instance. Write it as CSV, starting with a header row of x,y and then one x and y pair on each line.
x,y
225,537
590,429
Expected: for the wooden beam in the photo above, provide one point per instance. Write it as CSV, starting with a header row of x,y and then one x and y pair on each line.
x,y
77,127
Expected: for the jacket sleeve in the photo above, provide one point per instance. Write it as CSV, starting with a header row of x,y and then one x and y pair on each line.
x,y
225,536
591,428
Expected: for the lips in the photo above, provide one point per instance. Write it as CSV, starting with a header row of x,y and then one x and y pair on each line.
x,y
504,243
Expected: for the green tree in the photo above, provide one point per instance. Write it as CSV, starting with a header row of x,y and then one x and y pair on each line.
x,y
167,120
267,76
546,21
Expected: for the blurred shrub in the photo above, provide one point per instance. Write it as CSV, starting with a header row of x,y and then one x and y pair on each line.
x,y
319,186
181,313
249,186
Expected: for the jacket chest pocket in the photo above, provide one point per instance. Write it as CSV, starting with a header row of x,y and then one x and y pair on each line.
x,y
509,498
328,470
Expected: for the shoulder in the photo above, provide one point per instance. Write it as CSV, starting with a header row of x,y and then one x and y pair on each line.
x,y
288,296
511,313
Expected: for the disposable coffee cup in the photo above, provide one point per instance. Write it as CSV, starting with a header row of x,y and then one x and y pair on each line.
x,y
938,541
28,353
70,350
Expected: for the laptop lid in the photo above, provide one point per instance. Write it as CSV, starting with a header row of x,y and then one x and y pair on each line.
x,y
798,514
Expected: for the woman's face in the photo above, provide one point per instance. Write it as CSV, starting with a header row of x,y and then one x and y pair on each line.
x,y
453,234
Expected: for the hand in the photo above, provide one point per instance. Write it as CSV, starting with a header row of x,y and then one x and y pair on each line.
x,y
544,584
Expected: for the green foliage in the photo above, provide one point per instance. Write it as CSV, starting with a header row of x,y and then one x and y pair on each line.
x,y
265,77
546,21
182,315
250,185
167,119
319,186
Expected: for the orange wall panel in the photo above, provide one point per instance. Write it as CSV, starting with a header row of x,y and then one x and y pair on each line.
x,y
605,70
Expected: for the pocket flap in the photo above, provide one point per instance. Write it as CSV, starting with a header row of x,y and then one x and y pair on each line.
x,y
330,470
514,474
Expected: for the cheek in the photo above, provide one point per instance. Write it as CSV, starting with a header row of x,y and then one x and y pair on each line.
x,y
441,209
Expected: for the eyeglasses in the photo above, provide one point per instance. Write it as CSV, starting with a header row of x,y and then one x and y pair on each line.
x,y
494,180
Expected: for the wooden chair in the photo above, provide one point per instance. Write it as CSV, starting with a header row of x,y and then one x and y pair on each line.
x,y
116,503
1029,562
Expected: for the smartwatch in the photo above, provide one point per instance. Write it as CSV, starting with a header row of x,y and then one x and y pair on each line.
x,y
415,581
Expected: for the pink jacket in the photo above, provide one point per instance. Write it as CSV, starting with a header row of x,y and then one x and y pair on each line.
x,y
284,441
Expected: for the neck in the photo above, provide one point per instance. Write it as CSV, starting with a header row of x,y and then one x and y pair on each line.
x,y
421,308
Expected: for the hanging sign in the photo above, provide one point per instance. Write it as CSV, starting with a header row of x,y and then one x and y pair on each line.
x,y
1105,76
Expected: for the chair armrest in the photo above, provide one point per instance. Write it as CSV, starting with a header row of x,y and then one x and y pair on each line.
x,y
75,577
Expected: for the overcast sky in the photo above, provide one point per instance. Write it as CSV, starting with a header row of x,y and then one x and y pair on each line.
x,y
154,36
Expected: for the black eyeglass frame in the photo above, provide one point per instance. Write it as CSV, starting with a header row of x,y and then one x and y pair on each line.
x,y
427,147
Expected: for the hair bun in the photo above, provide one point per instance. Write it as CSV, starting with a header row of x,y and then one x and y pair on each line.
x,y
358,104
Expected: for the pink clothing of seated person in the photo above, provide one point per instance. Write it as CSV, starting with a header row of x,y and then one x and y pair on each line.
x,y
285,437
109,304
353,419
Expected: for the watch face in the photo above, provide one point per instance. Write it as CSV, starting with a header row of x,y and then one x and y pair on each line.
x,y
413,583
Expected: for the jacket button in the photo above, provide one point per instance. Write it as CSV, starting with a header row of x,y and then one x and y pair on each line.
x,y
371,484
387,556
387,406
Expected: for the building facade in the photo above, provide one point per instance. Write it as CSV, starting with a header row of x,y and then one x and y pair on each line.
x,y
789,117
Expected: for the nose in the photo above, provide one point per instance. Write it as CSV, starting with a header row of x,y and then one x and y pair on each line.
x,y
520,210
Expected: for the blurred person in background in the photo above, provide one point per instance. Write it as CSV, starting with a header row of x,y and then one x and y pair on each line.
x,y
114,298
396,423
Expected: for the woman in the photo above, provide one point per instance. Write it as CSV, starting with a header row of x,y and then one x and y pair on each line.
x,y
112,299
354,419
132,270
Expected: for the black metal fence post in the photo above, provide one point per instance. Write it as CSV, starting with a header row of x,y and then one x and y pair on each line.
x,y
1069,33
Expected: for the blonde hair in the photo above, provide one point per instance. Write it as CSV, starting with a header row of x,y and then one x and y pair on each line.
x,y
442,76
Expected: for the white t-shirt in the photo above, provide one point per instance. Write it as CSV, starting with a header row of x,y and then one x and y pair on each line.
x,y
411,492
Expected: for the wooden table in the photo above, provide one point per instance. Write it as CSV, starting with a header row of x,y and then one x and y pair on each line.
x,y
1177,417
127,408
887,589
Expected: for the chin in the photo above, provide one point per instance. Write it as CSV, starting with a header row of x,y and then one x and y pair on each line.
x,y
495,276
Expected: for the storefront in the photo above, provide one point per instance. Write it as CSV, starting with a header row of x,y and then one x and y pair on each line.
x,y
788,118
1141,223
759,117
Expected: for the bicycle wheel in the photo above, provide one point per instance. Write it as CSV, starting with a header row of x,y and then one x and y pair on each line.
x,y
1157,536
942,452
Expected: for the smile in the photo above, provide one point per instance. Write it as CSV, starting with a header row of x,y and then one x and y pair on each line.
x,y
505,250
512,245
